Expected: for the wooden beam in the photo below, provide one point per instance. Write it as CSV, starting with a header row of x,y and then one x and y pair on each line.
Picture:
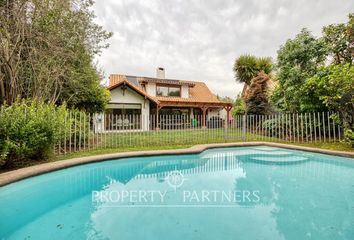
x,y
227,117
192,104
204,109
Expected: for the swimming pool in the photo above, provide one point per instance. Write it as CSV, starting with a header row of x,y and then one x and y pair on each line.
x,y
226,193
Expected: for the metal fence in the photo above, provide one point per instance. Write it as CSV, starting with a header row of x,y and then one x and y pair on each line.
x,y
98,131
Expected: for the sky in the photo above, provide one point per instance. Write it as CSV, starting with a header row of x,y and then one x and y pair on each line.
x,y
200,40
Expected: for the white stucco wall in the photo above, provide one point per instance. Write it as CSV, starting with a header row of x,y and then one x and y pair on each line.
x,y
130,96
214,112
151,89
185,91
223,113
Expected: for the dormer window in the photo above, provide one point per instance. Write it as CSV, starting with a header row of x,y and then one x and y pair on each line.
x,y
168,91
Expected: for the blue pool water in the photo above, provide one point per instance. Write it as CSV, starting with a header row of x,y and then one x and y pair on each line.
x,y
227,193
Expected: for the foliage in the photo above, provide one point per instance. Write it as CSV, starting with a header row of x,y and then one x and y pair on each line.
x,y
78,125
84,92
239,106
349,136
256,98
273,127
46,52
340,41
247,67
350,33
334,86
298,60
265,64
29,130
225,99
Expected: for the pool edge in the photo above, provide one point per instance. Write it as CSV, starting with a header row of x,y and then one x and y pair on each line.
x,y
23,173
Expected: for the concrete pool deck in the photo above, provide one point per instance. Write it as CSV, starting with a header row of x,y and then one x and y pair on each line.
x,y
22,173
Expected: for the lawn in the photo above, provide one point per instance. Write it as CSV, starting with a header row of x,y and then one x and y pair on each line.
x,y
177,139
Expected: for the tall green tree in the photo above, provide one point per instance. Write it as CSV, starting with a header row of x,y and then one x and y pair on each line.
x,y
298,59
340,41
46,48
333,85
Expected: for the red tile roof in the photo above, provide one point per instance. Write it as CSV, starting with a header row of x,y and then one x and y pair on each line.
x,y
198,91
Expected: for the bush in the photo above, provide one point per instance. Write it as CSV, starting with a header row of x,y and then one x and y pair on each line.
x,y
78,127
29,131
273,127
349,136
239,106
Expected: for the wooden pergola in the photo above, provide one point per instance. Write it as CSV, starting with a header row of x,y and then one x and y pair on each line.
x,y
204,106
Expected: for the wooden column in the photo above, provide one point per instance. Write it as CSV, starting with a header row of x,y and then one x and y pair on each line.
x,y
204,109
158,107
228,109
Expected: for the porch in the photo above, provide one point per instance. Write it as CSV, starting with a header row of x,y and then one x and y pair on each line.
x,y
172,115
130,117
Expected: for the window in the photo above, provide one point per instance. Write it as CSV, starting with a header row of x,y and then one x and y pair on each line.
x,y
162,91
123,118
166,91
174,91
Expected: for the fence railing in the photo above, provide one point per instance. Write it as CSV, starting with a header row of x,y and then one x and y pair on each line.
x,y
96,131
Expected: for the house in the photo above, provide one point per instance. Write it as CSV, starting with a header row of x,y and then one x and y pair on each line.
x,y
148,103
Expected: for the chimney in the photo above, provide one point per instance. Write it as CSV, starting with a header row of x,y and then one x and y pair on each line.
x,y
160,73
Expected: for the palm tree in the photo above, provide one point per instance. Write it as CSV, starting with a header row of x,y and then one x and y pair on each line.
x,y
265,64
247,67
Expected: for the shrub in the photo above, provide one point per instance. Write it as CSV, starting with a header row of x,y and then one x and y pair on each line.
x,y
239,106
349,136
29,131
273,127
77,125
256,98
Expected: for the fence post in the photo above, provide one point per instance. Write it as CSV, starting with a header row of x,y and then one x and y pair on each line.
x,y
225,129
329,127
334,129
244,130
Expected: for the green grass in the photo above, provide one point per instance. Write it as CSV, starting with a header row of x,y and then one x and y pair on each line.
x,y
175,139
114,150
171,137
331,146
338,146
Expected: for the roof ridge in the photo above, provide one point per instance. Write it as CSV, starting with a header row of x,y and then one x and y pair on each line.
x,y
172,79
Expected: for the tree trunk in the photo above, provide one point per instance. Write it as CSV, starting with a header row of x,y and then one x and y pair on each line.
x,y
245,86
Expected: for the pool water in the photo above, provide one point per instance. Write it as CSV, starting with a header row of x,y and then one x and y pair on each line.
x,y
225,193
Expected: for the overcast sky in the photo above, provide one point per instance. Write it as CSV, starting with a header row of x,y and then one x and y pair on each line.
x,y
199,40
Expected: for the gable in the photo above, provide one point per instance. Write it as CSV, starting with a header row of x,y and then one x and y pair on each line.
x,y
118,95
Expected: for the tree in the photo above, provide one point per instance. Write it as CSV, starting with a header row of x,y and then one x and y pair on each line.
x,y
350,33
298,60
239,106
334,86
84,91
47,47
256,97
247,67
225,99
340,41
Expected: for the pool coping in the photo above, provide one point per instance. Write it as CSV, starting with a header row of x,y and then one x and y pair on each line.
x,y
23,173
